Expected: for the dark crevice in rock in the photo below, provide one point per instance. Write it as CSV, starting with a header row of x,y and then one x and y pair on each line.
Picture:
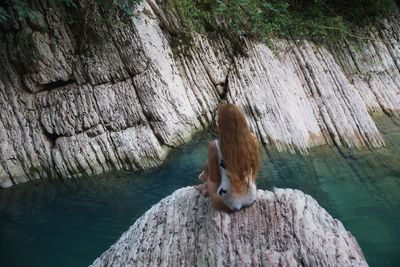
x,y
225,87
171,146
51,137
56,85
203,123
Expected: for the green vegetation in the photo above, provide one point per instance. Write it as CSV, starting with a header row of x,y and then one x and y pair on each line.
x,y
81,15
3,15
20,9
23,9
317,20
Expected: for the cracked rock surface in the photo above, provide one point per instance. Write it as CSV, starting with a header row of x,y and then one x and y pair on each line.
x,y
136,91
283,228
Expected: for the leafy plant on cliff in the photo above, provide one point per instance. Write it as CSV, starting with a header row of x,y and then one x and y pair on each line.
x,y
23,9
317,20
3,15
81,14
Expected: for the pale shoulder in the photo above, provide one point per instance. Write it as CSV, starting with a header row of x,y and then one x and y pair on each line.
x,y
213,163
212,143
212,148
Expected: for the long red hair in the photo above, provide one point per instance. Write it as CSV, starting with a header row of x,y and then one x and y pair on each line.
x,y
238,146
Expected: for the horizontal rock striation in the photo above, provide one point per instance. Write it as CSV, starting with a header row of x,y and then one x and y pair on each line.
x,y
125,95
283,228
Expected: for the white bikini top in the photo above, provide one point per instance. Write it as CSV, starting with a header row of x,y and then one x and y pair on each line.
x,y
231,199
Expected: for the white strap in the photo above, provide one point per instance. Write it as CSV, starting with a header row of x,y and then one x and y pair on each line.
x,y
218,151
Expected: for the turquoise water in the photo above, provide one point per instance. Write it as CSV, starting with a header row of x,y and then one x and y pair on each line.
x,y
71,223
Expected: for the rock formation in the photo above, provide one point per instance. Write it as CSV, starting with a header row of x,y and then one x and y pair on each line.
x,y
135,91
283,228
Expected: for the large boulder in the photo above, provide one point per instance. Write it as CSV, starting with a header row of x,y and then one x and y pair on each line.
x,y
283,228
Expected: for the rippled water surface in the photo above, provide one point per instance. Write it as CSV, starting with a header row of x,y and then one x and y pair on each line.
x,y
71,223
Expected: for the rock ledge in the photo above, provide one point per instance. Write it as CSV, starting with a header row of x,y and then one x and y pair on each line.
x,y
283,228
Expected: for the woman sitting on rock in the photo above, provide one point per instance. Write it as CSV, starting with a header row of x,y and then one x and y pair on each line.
x,y
233,161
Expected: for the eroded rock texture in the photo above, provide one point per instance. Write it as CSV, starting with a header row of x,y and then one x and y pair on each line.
x,y
283,228
130,91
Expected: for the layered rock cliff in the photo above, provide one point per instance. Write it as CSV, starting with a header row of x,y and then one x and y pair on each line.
x,y
136,90
283,228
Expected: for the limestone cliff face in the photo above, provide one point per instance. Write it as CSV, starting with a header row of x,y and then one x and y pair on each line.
x,y
135,91
283,228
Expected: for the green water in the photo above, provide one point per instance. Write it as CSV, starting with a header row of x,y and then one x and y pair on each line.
x,y
71,223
